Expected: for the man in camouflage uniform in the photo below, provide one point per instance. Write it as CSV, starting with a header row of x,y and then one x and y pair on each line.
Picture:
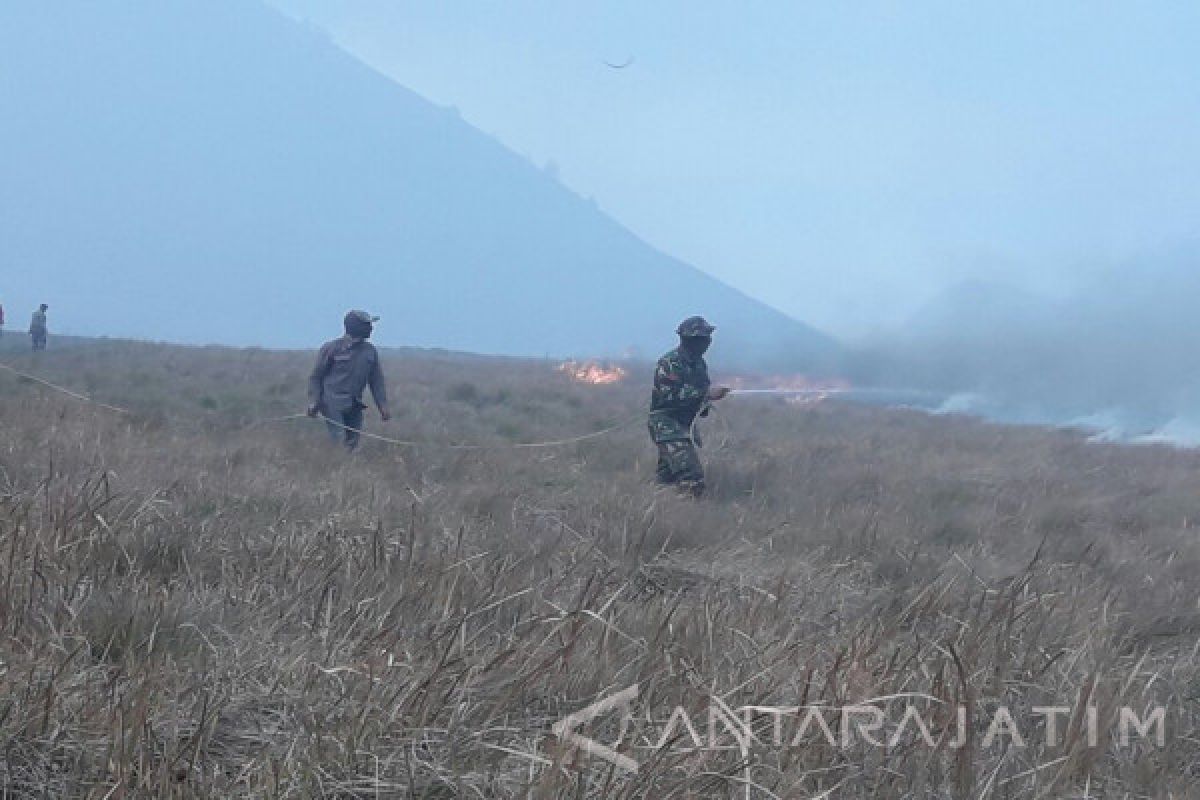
x,y
682,391
345,367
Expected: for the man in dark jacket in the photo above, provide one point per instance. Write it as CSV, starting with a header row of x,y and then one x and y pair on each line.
x,y
38,328
345,367
682,391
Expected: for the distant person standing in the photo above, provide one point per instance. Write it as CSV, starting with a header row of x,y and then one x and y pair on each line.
x,y
345,367
682,392
37,328
1,321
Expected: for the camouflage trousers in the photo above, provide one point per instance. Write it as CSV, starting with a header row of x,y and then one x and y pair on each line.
x,y
679,465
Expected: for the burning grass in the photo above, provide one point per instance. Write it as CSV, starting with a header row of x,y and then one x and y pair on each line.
x,y
593,372
195,605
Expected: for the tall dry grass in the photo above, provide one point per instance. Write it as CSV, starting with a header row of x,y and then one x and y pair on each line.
x,y
196,605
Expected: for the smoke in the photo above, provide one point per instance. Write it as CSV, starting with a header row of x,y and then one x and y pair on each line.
x,y
1116,355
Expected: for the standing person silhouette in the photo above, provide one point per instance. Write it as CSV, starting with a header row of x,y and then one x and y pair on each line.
x,y
345,367
38,331
682,391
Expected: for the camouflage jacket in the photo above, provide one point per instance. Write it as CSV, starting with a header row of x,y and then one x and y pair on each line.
x,y
680,393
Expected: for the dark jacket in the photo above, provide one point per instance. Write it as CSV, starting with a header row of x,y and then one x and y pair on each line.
x,y
680,393
344,368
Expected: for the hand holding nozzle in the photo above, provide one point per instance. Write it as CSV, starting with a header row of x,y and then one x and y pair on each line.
x,y
718,393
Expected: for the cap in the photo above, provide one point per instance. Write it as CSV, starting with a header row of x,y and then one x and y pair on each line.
x,y
359,323
695,326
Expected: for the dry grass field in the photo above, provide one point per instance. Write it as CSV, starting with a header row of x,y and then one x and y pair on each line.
x,y
197,603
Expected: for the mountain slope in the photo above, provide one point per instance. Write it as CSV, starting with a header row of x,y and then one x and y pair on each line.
x,y
209,170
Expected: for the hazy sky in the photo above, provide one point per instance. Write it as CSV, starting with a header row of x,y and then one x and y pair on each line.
x,y
840,160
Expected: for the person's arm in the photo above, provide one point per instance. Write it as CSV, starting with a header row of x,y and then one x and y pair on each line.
x,y
379,389
316,380
674,392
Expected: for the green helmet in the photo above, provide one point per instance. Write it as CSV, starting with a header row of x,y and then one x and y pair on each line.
x,y
695,326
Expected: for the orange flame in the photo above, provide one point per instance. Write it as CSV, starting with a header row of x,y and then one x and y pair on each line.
x,y
593,372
